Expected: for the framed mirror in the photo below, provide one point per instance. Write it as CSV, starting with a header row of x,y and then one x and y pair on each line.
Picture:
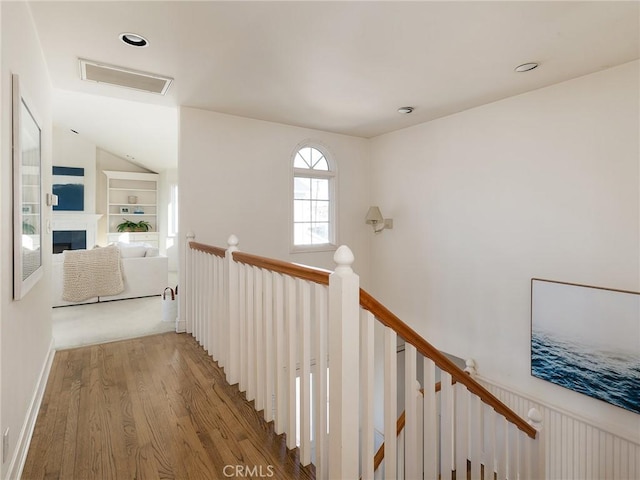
x,y
27,195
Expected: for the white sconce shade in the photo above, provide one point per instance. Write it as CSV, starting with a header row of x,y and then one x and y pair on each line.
x,y
374,217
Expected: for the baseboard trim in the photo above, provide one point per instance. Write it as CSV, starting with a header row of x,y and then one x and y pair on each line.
x,y
20,454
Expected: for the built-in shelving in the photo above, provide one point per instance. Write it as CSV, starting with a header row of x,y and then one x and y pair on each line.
x,y
132,196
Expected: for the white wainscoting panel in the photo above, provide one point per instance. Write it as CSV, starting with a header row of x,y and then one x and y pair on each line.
x,y
575,449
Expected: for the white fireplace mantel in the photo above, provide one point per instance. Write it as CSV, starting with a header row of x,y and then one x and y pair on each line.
x,y
77,221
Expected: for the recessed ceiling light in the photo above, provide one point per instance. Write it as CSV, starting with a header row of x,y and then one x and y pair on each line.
x,y
405,110
134,39
526,67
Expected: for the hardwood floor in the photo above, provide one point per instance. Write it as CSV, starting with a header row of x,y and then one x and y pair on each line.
x,y
147,408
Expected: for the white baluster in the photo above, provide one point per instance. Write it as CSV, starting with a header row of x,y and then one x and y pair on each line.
x,y
419,426
189,290
501,446
489,455
304,354
430,419
269,354
242,314
411,412
280,346
258,306
367,370
199,294
400,449
344,306
320,381
251,340
537,445
291,359
390,403
461,428
218,306
233,345
512,450
211,289
475,436
196,293
447,425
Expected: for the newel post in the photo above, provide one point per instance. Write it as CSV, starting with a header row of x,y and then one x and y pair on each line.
x,y
189,283
344,367
231,313
538,458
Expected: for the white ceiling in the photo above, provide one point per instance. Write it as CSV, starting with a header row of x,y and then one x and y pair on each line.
x,y
337,66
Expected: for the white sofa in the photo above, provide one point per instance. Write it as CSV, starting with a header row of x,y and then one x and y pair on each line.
x,y
145,273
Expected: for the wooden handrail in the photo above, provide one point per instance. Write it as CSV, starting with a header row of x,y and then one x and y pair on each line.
x,y
386,317
316,275
202,247
409,335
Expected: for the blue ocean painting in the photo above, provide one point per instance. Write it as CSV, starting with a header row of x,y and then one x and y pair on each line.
x,y
587,339
609,375
68,185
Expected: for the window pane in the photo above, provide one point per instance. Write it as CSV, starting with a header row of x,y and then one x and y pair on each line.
x,y
321,164
316,156
320,211
299,162
302,234
302,211
305,154
320,233
301,187
320,188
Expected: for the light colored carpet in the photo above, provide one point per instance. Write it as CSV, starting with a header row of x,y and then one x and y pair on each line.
x,y
79,325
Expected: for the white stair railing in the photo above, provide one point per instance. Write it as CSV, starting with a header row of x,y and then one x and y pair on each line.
x,y
304,345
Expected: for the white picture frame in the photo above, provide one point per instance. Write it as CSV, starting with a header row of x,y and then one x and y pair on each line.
x,y
27,193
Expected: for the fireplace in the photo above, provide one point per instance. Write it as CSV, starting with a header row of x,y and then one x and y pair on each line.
x,y
72,231
69,240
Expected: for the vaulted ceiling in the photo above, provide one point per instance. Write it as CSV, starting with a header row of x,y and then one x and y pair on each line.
x,y
342,67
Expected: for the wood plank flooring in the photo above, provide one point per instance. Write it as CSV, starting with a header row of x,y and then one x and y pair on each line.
x,y
149,408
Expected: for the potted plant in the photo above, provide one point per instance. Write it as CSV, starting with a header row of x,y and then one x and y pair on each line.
x,y
129,226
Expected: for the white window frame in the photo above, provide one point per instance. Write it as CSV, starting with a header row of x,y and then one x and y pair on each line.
x,y
332,176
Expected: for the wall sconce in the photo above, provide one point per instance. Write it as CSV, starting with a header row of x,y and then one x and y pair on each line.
x,y
374,217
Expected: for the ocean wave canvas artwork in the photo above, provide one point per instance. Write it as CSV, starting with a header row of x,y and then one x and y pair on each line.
x,y
587,339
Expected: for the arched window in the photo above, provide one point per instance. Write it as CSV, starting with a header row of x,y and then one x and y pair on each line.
x,y
313,200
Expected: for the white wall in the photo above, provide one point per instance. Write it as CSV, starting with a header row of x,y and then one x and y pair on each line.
x,y
235,176
26,324
545,184
71,150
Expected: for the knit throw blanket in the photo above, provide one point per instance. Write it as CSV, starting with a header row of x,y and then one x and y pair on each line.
x,y
91,273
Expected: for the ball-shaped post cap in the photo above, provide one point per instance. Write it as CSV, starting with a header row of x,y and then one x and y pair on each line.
x,y
233,241
535,417
344,258
470,366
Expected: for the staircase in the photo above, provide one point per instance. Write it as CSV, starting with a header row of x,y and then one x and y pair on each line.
x,y
318,356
